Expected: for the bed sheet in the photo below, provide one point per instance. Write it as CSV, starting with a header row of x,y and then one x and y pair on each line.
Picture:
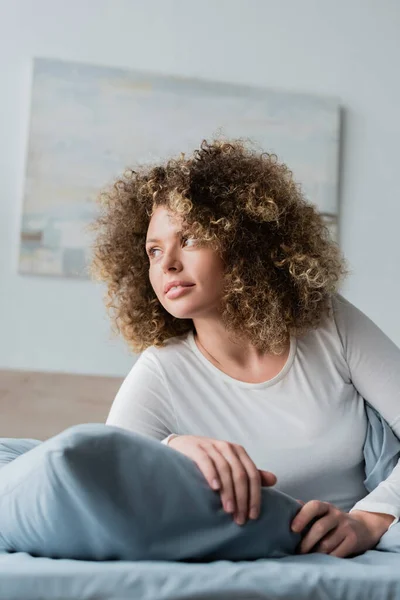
x,y
374,575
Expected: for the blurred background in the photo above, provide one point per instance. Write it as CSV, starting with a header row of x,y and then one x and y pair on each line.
x,y
331,65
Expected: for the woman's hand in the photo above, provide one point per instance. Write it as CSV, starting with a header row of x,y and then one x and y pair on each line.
x,y
337,533
227,467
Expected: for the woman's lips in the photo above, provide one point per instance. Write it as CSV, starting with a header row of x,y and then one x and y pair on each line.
x,y
178,291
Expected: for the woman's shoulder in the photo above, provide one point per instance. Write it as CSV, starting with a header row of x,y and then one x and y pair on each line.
x,y
155,362
339,311
346,315
342,324
328,334
341,304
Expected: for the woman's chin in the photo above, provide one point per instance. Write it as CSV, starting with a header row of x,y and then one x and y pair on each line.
x,y
179,310
181,314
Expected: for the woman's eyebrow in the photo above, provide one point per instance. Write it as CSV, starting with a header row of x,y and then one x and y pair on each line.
x,y
177,233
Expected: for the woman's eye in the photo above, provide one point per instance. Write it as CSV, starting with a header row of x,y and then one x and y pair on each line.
x,y
189,239
152,250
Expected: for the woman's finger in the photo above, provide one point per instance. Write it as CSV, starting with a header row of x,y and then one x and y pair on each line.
x,y
240,483
267,478
254,483
208,468
317,532
223,467
330,542
343,550
312,509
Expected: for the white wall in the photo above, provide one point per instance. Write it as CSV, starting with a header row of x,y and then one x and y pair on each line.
x,y
348,48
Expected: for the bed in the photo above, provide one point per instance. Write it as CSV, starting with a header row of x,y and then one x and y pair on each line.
x,y
372,575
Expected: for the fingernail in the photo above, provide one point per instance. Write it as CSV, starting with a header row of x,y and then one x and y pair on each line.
x,y
253,513
229,506
239,520
215,484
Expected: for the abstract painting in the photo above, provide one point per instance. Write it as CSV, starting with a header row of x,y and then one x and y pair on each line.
x,y
89,123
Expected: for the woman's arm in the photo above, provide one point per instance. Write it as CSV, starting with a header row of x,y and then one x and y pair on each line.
x,y
143,403
374,364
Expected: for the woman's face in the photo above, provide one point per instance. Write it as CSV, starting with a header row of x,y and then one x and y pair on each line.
x,y
173,257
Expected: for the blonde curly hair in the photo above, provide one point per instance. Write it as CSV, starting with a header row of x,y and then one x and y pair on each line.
x,y
280,263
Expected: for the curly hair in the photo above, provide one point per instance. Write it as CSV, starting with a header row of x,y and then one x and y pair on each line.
x,y
280,264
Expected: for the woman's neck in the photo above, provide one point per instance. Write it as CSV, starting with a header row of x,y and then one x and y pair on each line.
x,y
237,359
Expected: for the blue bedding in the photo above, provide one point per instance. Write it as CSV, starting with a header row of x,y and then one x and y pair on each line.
x,y
374,574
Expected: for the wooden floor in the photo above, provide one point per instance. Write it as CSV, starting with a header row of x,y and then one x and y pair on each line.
x,y
39,405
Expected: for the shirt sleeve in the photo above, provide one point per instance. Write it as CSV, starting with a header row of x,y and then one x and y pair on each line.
x,y
374,365
143,403
167,439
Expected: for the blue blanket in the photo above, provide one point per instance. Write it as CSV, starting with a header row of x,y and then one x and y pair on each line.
x,y
375,574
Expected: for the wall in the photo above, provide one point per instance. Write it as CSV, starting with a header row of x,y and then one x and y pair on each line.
x,y
348,48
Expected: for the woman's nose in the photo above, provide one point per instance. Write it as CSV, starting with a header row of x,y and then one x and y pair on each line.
x,y
171,262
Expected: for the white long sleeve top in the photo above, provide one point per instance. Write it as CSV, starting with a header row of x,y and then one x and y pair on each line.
x,y
307,424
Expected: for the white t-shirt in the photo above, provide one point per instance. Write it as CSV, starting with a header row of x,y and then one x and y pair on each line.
x,y
307,425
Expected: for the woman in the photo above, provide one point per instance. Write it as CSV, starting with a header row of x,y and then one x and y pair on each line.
x,y
225,279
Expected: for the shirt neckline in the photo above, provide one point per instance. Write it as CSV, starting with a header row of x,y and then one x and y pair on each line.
x,y
244,384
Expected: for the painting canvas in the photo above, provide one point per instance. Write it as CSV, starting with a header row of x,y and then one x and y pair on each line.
x,y
88,123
